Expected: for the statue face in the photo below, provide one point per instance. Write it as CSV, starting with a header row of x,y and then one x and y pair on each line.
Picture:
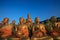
x,y
21,20
37,20
28,15
29,21
5,20
13,21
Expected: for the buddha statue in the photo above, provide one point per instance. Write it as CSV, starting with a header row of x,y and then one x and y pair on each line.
x,y
6,28
29,20
22,29
38,28
29,24
14,29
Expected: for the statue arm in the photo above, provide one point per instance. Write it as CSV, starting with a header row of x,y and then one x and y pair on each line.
x,y
42,28
33,29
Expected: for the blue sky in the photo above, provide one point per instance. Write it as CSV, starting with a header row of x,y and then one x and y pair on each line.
x,y
14,9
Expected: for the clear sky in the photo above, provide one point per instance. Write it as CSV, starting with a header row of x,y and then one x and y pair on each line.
x,y
14,9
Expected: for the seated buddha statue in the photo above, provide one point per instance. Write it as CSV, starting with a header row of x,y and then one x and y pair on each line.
x,y
38,28
6,28
29,24
22,29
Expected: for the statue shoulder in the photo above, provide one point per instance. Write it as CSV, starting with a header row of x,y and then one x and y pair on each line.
x,y
9,26
42,25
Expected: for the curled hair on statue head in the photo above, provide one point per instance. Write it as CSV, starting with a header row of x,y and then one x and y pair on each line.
x,y
21,20
37,19
6,18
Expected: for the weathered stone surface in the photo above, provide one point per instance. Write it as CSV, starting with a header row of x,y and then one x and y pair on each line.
x,y
13,39
57,38
43,38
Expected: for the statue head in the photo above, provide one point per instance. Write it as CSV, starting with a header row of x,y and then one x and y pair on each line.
x,y
53,19
28,16
5,20
37,20
21,20
13,22
29,20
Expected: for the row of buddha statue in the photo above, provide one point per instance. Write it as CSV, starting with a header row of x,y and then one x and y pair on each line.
x,y
25,28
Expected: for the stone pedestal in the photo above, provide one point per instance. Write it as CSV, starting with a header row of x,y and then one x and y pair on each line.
x,y
34,38
13,39
57,38
43,38
25,39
